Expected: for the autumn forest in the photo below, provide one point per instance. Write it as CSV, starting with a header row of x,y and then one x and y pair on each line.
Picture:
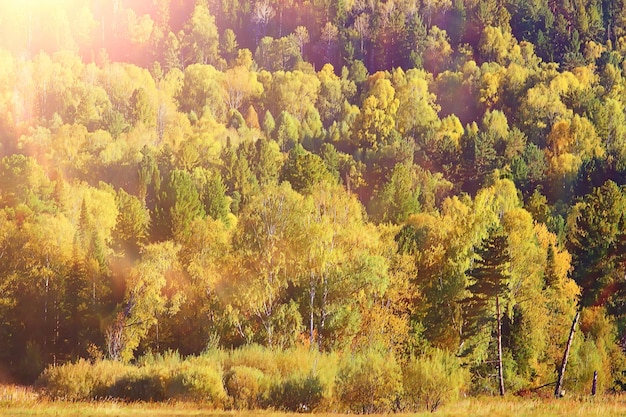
x,y
359,205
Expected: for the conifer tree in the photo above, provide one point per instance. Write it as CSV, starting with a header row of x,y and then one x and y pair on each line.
x,y
488,288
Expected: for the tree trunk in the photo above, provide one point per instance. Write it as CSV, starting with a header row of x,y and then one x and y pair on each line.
x,y
500,370
594,385
559,382
157,335
323,312
311,310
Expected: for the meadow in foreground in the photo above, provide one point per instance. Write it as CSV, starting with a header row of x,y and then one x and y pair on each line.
x,y
485,406
20,401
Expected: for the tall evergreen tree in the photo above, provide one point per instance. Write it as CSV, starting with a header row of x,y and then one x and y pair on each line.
x,y
488,287
596,240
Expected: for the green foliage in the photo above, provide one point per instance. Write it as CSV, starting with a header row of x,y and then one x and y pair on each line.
x,y
162,187
202,36
595,350
489,279
399,197
212,194
369,382
595,238
82,380
303,170
180,204
198,379
245,386
297,394
133,222
23,181
433,380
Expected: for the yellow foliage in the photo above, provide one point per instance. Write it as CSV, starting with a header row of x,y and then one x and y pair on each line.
x,y
543,107
501,196
414,98
587,76
527,257
376,120
291,91
452,129
515,77
559,140
565,82
490,86
565,165
586,141
498,46
240,85
577,137
437,49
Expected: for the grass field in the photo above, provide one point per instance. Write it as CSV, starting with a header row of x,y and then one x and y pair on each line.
x,y
605,407
23,402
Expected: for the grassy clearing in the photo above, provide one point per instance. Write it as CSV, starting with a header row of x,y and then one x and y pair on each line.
x,y
24,402
493,407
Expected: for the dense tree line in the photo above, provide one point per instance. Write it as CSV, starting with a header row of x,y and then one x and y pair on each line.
x,y
350,175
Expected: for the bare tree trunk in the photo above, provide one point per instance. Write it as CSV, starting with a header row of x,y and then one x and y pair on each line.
x,y
311,309
323,312
157,336
559,382
500,370
594,385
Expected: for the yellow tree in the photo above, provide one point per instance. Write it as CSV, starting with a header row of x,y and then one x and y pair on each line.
x,y
265,243
201,35
145,301
203,256
540,109
376,121
414,97
568,144
442,246
240,86
344,272
203,92
494,45
293,91
437,50
333,96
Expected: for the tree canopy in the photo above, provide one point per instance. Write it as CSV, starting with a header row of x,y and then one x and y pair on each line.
x,y
349,176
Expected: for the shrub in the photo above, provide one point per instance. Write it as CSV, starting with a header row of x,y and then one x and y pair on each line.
x,y
154,378
169,359
297,394
297,361
430,381
244,385
198,379
141,384
81,380
369,382
254,356
72,381
298,379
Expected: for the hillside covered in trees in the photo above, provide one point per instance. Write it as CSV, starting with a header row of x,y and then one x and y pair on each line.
x,y
403,177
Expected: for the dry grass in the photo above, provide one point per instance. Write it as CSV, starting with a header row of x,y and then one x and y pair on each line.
x,y
20,401
512,406
15,394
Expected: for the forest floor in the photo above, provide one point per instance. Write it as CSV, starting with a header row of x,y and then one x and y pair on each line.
x,y
25,403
